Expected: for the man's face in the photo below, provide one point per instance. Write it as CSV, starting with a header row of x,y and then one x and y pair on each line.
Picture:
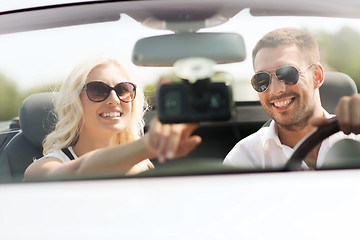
x,y
288,105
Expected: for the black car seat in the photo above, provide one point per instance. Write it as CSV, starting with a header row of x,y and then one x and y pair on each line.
x,y
8,131
335,86
36,121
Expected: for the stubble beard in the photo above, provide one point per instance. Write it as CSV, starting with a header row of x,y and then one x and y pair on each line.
x,y
295,120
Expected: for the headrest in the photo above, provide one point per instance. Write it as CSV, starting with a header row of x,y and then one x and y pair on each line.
x,y
336,85
36,117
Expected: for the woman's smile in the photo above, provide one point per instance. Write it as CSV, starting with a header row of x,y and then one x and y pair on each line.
x,y
112,114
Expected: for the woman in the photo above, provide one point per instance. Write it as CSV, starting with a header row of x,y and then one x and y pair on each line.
x,y
100,124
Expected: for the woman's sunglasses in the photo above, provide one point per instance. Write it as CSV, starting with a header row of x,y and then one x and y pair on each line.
x,y
288,75
100,91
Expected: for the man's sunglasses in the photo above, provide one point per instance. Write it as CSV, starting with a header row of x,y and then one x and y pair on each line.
x,y
288,75
100,91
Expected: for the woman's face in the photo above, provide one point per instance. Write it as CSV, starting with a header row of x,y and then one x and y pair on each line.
x,y
110,116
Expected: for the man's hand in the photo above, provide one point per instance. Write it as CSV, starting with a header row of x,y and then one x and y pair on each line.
x,y
348,115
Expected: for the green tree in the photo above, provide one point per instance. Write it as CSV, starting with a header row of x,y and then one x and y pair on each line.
x,y
10,99
44,88
341,51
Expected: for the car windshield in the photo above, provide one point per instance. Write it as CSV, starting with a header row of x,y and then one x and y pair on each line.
x,y
212,192
40,60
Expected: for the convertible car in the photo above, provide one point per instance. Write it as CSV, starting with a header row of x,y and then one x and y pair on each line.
x,y
195,197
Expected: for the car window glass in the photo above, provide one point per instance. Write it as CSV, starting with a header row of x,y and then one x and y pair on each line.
x,y
41,60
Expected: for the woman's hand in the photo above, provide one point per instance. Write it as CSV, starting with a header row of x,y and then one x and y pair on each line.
x,y
168,141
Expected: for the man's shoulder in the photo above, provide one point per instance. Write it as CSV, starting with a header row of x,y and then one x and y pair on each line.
x,y
341,136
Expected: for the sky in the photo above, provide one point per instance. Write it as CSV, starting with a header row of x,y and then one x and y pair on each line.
x,y
36,58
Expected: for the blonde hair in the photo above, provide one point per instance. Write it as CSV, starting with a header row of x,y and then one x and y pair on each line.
x,y
69,112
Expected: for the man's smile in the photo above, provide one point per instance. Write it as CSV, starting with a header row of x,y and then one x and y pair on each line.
x,y
283,103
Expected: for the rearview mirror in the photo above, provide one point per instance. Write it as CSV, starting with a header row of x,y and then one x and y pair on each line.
x,y
165,50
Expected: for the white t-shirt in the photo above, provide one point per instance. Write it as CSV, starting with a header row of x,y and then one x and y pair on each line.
x,y
263,149
61,155
140,167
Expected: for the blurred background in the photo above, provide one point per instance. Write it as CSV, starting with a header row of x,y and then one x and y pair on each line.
x,y
40,61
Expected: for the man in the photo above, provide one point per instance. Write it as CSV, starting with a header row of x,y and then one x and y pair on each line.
x,y
288,76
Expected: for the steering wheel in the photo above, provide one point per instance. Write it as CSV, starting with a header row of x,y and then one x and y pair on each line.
x,y
325,131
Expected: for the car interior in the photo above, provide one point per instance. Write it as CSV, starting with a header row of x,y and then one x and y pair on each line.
x,y
37,119
197,196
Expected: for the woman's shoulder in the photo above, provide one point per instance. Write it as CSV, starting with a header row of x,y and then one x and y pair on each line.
x,y
59,154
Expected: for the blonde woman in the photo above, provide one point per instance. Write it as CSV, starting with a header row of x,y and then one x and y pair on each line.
x,y
100,127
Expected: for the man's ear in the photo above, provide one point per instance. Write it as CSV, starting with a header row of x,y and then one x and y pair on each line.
x,y
318,75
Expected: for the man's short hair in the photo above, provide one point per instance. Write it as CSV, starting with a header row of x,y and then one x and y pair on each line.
x,y
290,36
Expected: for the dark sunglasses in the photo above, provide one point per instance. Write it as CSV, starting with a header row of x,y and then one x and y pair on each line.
x,y
288,75
100,91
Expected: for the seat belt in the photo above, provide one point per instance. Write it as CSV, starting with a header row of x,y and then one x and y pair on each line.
x,y
68,153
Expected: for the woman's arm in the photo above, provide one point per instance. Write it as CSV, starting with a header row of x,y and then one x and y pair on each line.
x,y
162,141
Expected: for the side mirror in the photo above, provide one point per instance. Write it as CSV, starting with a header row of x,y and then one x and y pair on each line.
x,y
165,50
